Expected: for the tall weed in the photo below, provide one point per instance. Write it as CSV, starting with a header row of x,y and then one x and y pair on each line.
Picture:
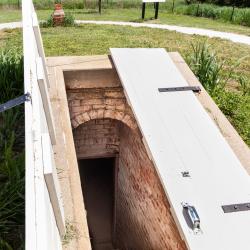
x,y
211,73
206,66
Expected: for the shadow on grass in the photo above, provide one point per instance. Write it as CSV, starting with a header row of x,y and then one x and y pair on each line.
x,y
140,20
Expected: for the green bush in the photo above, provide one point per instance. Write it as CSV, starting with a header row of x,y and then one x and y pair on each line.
x,y
12,194
206,66
209,70
69,20
237,109
237,15
12,174
11,74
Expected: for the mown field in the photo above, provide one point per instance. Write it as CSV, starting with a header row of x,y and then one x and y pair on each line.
x,y
133,15
222,66
94,39
195,8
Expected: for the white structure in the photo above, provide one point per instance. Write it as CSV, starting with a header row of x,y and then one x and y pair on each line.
x,y
193,160
44,222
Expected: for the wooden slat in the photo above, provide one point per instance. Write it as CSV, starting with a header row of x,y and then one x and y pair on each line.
x,y
39,44
30,211
45,99
41,229
50,175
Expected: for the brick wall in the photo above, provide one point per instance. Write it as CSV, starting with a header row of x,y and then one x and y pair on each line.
x,y
143,215
97,138
99,103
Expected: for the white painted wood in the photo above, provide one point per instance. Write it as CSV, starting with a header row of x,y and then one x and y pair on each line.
x,y
50,175
45,98
30,226
181,137
39,44
41,228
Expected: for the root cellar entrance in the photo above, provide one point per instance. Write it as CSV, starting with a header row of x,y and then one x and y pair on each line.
x,y
98,180
125,203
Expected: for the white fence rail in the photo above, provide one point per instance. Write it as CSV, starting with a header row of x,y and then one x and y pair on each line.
x,y
45,225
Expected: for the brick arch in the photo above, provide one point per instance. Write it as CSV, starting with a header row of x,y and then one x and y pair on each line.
x,y
104,113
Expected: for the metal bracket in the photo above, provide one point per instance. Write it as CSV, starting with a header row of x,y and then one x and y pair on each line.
x,y
236,207
15,102
192,215
195,89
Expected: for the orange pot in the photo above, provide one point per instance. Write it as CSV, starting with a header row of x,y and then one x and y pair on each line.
x,y
58,6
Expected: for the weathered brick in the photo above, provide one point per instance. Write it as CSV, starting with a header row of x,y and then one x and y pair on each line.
x,y
100,106
120,107
119,115
84,117
100,113
143,207
80,109
92,114
74,123
109,114
110,107
114,94
92,101
114,101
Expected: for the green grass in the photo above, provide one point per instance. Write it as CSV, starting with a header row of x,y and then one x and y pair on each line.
x,y
12,186
133,15
225,13
95,39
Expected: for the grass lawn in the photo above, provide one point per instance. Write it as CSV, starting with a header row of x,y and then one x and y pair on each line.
x,y
95,39
133,15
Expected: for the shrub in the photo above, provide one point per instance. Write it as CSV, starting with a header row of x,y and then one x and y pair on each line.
x,y
11,74
206,66
69,20
244,85
12,194
12,186
237,109
237,15
210,71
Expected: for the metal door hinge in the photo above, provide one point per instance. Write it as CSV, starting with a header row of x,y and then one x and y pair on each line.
x,y
15,102
195,89
192,215
236,207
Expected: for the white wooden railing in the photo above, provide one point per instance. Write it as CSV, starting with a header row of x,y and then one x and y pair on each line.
x,y
44,222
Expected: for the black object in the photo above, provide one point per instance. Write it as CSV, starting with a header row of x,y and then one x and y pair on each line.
x,y
15,102
236,207
156,7
100,6
195,89
143,10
